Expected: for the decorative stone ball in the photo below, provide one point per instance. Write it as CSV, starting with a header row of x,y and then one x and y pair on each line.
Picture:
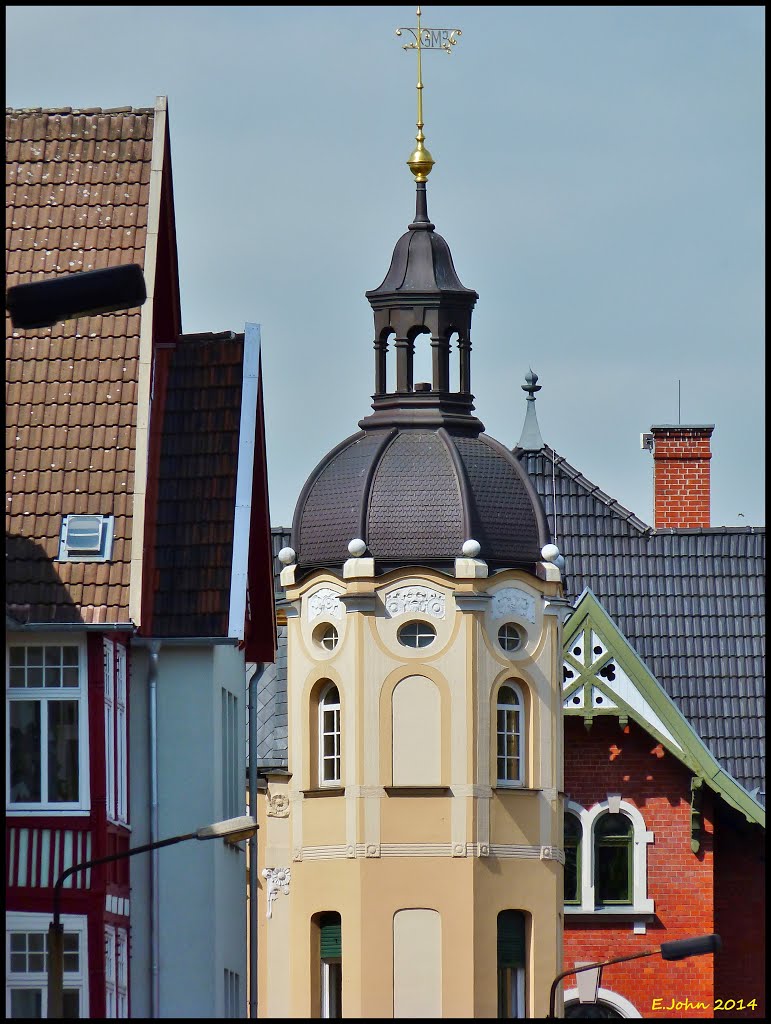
x,y
287,556
471,548
550,552
357,547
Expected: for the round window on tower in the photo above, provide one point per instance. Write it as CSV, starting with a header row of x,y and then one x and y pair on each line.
x,y
510,637
416,634
326,636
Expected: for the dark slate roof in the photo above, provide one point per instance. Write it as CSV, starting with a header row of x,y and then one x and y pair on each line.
x,y
415,496
690,601
193,550
272,742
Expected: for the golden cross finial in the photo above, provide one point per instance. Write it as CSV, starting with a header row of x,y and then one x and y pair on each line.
x,y
421,161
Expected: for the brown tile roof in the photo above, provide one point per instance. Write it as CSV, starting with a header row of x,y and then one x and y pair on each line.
x,y
197,487
77,198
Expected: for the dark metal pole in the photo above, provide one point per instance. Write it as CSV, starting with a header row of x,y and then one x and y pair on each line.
x,y
56,930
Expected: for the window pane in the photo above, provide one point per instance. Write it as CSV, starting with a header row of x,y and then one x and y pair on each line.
x,y
70,655
71,1004
25,750
17,677
613,826
572,845
27,1002
34,655
63,751
16,656
613,874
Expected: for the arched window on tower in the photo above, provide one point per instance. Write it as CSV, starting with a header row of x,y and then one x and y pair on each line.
x,y
329,736
511,963
510,754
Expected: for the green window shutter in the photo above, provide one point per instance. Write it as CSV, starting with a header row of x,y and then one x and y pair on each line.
x,y
511,938
331,940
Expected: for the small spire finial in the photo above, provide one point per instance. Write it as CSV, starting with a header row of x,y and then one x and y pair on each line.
x,y
532,386
420,160
530,439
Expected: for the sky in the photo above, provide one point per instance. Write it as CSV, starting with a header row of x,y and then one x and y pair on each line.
x,y
599,178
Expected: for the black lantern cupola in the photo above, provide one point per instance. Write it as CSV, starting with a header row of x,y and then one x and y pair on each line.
x,y
422,294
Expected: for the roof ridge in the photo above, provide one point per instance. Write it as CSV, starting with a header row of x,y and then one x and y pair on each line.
x,y
595,491
80,110
709,529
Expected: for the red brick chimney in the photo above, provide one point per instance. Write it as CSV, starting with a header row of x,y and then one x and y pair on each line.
x,y
681,457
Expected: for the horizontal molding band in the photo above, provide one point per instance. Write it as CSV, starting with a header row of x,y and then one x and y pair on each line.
x,y
369,851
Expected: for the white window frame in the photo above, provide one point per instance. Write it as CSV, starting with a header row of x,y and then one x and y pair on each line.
x,y
109,726
38,923
101,552
232,994
641,838
122,965
232,793
110,973
518,987
335,732
47,695
327,965
121,727
519,711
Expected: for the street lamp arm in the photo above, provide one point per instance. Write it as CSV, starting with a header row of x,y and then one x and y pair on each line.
x,y
592,967
107,860
232,829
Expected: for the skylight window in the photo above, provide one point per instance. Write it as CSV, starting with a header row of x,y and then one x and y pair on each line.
x,y
86,538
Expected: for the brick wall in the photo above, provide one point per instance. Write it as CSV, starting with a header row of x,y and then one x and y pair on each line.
x,y
611,759
681,481
740,907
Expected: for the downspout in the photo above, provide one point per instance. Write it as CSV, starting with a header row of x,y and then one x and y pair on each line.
x,y
253,919
152,699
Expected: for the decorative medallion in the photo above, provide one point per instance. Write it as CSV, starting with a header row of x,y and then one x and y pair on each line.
x,y
373,850
459,849
278,806
324,602
408,600
512,601
278,881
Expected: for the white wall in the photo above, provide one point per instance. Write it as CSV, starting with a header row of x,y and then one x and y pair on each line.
x,y
202,884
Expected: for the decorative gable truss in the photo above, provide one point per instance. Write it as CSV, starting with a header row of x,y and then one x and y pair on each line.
x,y
603,675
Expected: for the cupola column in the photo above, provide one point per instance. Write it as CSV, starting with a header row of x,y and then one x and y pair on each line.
x,y
381,353
440,354
405,349
464,355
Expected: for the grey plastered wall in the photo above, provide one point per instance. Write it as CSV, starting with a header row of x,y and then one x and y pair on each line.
x,y
202,884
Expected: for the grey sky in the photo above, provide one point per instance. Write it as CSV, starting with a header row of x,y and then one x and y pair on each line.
x,y
599,177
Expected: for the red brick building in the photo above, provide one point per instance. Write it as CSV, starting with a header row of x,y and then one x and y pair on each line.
x,y
663,686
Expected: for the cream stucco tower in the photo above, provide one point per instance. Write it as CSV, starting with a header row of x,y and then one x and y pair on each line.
x,y
410,859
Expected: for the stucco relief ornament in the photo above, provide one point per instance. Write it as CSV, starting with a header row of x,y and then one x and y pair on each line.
x,y
511,601
278,881
278,806
408,600
324,602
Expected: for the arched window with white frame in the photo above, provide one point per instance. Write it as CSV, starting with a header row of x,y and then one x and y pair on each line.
x,y
329,736
510,735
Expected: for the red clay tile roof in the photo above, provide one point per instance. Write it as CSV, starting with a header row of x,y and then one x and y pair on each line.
x,y
197,486
77,198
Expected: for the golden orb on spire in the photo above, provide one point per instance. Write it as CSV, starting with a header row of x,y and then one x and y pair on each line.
x,y
420,160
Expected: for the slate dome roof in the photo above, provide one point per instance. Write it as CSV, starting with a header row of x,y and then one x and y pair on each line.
x,y
414,496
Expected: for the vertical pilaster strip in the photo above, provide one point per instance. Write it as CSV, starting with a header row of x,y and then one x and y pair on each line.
x,y
144,383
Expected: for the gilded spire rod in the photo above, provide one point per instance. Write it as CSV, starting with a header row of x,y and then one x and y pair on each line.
x,y
421,161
